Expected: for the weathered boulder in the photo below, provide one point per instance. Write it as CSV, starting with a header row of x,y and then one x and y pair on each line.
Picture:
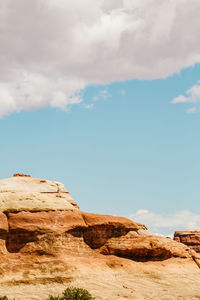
x,y
103,227
109,220
191,238
144,247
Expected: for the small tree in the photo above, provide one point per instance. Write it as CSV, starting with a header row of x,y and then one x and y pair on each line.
x,y
73,293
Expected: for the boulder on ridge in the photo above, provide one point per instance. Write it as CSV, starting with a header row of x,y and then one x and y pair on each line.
x,y
190,238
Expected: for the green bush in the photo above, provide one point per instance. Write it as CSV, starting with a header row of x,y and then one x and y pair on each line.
x,y
3,298
73,293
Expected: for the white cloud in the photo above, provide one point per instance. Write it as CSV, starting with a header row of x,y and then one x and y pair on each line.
x,y
191,110
36,91
192,95
166,224
52,49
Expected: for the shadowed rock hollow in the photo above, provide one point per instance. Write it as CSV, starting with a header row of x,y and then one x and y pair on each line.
x,y
43,229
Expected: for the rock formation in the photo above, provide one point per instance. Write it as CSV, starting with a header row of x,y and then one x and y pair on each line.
x,y
39,216
190,238
43,229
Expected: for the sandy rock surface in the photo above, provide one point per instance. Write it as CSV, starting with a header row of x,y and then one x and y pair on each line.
x,y
106,279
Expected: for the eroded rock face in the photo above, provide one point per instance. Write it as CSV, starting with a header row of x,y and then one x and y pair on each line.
x,y
103,227
65,232
26,227
189,238
38,218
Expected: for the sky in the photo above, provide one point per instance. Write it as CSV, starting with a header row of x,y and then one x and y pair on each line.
x,y
104,96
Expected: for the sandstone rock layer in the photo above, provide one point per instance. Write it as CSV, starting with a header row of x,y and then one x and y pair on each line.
x,y
189,238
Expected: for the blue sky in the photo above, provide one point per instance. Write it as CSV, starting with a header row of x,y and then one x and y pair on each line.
x,y
132,150
121,146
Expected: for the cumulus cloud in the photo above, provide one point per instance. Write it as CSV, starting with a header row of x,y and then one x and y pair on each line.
x,y
192,95
37,91
166,224
52,49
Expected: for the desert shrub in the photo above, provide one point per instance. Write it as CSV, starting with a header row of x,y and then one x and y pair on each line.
x,y
73,293
3,298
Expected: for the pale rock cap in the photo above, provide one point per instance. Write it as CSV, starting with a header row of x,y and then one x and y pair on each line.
x,y
26,193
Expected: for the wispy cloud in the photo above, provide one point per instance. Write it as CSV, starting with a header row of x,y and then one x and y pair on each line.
x,y
48,62
166,224
191,110
89,106
103,94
